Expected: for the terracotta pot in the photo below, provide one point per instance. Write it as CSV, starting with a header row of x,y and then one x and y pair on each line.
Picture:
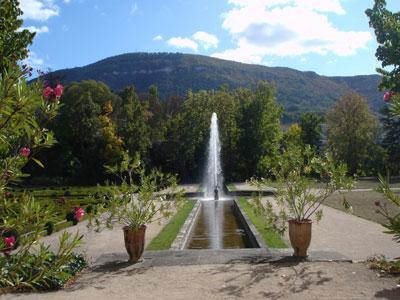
x,y
300,236
134,242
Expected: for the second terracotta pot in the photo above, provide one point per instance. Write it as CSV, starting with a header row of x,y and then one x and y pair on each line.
x,y
300,236
134,242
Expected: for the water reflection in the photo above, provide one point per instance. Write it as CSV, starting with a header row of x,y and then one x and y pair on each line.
x,y
218,228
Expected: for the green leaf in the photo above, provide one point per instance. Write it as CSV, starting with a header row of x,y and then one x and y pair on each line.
x,y
38,162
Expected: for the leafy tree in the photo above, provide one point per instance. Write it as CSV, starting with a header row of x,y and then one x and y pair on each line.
x,y
112,143
391,139
351,130
132,119
311,130
387,27
292,137
86,136
14,42
260,125
188,133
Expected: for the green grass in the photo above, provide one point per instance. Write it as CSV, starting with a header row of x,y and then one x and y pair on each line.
x,y
231,187
168,234
271,238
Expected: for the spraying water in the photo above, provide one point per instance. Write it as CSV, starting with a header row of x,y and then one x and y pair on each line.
x,y
213,181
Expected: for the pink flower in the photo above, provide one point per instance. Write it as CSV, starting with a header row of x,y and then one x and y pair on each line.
x,y
47,92
25,151
10,241
58,91
387,96
79,213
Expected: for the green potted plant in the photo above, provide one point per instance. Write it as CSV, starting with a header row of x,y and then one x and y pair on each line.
x,y
303,182
135,200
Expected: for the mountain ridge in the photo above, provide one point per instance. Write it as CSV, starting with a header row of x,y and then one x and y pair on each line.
x,y
175,73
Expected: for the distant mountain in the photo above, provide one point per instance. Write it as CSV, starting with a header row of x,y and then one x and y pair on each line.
x,y
175,73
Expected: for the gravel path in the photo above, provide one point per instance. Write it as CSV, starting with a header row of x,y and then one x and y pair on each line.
x,y
230,281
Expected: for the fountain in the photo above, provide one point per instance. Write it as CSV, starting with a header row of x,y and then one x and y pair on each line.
x,y
213,179
217,225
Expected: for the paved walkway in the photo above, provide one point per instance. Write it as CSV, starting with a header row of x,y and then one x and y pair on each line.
x,y
352,236
347,234
319,280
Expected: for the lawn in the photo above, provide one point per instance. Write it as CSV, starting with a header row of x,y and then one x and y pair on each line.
x,y
231,187
166,237
271,238
363,204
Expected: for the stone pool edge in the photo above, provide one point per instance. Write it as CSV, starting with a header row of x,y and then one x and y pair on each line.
x,y
184,233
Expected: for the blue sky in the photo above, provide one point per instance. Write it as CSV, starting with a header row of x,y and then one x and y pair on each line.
x,y
330,37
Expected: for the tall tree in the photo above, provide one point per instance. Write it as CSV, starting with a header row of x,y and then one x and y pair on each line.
x,y
261,134
351,130
391,139
14,42
387,27
132,117
311,130
84,132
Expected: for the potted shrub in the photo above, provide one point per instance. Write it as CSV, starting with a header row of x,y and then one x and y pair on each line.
x,y
303,182
135,201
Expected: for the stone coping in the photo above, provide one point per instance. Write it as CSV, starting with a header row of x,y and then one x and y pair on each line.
x,y
184,234
249,226
224,256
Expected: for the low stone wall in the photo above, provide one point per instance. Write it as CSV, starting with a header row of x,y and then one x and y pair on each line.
x,y
184,234
255,238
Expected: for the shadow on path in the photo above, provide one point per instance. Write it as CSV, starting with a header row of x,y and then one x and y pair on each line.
x,y
292,276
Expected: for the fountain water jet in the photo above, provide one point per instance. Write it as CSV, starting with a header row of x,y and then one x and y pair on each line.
x,y
217,226
213,180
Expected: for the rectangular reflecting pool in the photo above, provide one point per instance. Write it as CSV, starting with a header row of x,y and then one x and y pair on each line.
x,y
220,225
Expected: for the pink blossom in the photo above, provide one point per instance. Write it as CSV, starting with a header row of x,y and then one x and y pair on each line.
x,y
387,96
79,213
47,92
10,241
58,90
25,151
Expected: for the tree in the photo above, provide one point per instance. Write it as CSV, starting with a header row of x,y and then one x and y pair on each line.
x,y
387,27
188,133
261,134
391,139
84,132
132,117
112,144
311,130
351,130
14,42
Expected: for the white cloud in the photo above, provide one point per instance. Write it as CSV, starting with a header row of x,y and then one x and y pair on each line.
x,y
158,38
33,60
38,30
39,10
262,28
206,40
134,8
180,42
67,1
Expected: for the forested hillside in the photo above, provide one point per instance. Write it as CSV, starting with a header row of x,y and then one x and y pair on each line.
x,y
175,73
